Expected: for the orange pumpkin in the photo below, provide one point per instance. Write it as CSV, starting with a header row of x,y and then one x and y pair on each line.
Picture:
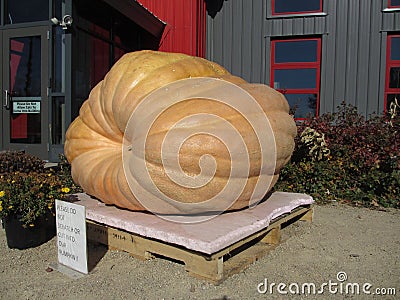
x,y
94,140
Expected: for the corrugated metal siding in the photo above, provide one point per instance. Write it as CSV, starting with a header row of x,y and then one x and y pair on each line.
x,y
296,26
185,27
235,39
351,62
353,32
391,19
391,22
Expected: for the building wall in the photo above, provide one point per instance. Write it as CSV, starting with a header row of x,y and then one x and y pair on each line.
x,y
353,32
185,24
235,38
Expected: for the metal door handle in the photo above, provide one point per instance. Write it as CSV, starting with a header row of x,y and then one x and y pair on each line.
x,y
7,96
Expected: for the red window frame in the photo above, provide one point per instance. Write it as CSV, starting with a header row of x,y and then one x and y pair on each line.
x,y
298,65
295,12
390,64
392,6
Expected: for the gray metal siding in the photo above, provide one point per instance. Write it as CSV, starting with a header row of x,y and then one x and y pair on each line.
x,y
353,32
390,19
235,39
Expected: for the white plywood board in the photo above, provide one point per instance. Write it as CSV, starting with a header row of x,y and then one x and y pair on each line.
x,y
206,237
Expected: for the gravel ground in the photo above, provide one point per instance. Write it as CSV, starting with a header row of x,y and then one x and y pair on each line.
x,y
363,243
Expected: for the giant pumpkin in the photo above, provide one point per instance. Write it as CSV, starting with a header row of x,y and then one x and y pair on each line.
x,y
94,140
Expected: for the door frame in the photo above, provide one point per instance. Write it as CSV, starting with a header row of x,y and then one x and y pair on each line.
x,y
2,93
41,150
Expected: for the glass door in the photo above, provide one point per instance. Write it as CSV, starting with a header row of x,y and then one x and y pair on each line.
x,y
25,90
1,93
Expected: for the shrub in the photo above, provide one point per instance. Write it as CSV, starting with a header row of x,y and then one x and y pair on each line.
x,y
64,172
28,189
30,195
343,156
19,161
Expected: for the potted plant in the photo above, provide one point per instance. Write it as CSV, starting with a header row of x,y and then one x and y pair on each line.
x,y
27,195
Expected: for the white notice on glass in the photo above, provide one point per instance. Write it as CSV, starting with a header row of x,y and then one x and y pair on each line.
x,y
26,107
71,235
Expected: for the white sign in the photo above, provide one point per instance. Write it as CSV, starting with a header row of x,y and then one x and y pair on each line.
x,y
26,107
71,235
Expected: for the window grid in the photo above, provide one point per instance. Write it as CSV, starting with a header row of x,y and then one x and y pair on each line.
x,y
393,4
297,12
390,63
298,65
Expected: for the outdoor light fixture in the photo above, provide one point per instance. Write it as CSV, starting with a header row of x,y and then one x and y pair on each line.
x,y
65,23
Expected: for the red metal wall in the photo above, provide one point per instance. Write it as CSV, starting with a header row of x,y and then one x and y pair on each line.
x,y
186,24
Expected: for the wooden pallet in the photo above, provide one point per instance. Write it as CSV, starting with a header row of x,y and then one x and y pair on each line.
x,y
213,267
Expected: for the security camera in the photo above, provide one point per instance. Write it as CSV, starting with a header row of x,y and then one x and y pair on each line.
x,y
67,20
65,23
55,21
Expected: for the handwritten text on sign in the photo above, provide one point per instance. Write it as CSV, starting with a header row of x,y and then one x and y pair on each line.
x,y
71,235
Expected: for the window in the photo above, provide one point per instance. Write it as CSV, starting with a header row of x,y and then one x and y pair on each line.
x,y
101,36
20,11
280,7
392,86
394,3
295,72
25,83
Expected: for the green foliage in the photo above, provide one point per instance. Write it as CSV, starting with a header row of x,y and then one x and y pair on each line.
x,y
28,190
343,156
30,195
64,172
19,161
